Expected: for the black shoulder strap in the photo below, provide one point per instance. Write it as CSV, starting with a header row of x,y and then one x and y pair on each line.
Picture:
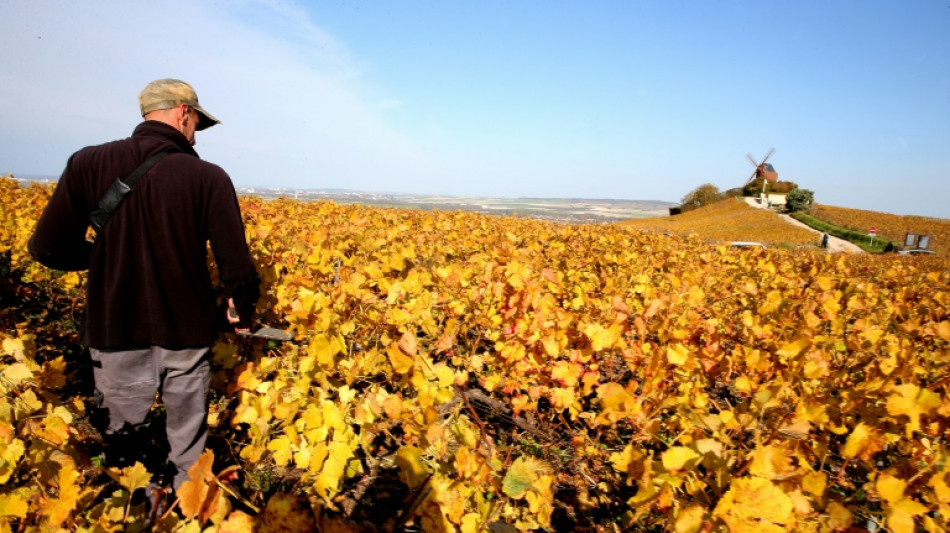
x,y
118,190
143,168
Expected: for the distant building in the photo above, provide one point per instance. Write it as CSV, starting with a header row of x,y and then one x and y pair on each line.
x,y
775,200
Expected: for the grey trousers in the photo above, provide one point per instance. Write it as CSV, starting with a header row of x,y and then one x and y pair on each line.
x,y
127,383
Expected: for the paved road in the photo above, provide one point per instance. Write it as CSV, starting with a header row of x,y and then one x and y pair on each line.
x,y
835,244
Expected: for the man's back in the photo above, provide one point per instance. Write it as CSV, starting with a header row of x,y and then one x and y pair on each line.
x,y
150,306
148,275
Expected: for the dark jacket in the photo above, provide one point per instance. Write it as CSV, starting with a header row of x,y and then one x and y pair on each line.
x,y
149,281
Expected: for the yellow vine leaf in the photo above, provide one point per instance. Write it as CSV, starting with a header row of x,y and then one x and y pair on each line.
x,y
238,522
10,454
939,482
302,457
602,338
17,372
815,483
772,302
756,504
743,384
14,347
58,510
282,450
523,475
54,371
131,478
677,457
690,520
863,442
26,404
839,517
412,471
567,373
616,403
328,481
54,429
540,499
13,505
943,330
912,401
445,374
890,488
768,462
900,515
900,509
200,494
466,463
794,348
333,417
857,441
471,523
408,343
285,513
550,345
401,363
324,349
677,354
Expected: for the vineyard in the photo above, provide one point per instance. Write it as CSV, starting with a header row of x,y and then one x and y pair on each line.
x,y
456,372
891,227
731,220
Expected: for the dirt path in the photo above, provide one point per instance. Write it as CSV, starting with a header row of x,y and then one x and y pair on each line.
x,y
835,244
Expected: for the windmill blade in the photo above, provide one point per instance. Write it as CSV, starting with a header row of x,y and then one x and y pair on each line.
x,y
768,155
752,177
752,160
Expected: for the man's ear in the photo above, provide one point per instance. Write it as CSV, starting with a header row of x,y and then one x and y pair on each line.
x,y
183,113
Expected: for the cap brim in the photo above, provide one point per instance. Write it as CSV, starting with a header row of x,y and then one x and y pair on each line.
x,y
205,119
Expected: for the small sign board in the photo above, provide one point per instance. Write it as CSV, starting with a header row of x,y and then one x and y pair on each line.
x,y
873,231
916,241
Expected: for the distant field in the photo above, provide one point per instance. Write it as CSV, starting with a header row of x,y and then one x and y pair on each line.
x,y
892,227
573,210
730,220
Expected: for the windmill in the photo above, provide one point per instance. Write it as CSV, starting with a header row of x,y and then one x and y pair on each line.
x,y
763,169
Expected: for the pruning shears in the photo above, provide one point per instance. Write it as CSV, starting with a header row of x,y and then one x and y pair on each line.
x,y
268,333
265,332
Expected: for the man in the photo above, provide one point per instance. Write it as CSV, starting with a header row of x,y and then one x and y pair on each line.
x,y
151,315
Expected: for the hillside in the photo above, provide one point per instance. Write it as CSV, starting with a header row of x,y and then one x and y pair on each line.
x,y
457,372
892,227
730,220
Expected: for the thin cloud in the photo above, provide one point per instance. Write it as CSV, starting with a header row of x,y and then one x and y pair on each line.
x,y
295,110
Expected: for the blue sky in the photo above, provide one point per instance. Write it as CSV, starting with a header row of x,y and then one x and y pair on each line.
x,y
597,99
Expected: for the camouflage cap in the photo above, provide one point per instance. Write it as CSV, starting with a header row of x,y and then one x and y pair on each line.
x,y
168,93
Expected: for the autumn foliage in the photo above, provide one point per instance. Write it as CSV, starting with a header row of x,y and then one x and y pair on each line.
x,y
730,219
457,371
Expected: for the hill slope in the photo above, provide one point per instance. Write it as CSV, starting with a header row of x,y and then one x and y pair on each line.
x,y
730,220
892,227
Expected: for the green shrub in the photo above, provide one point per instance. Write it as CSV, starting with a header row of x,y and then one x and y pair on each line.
x,y
799,200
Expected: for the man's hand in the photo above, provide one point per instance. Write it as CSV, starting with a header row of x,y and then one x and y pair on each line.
x,y
234,318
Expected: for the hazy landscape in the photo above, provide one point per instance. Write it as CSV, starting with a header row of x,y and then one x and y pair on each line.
x,y
557,209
